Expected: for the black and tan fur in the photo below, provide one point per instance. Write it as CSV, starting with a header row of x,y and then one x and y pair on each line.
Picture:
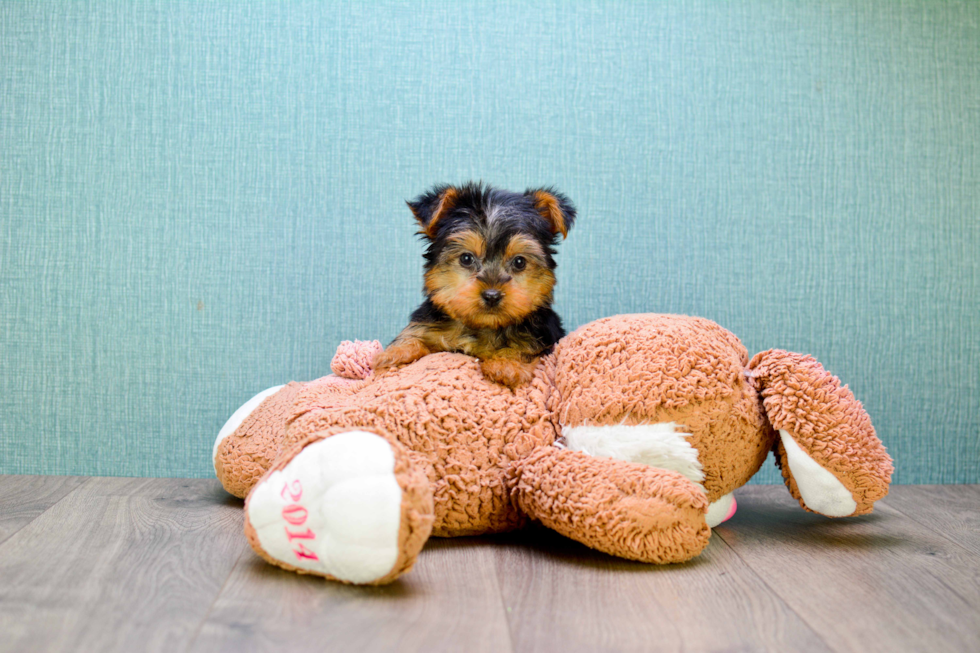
x,y
489,279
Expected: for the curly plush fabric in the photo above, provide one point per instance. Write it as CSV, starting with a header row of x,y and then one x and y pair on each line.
x,y
465,429
647,369
625,509
490,458
249,452
826,420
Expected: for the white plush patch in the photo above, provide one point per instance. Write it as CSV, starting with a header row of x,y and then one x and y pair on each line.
x,y
718,510
658,445
239,416
342,504
821,491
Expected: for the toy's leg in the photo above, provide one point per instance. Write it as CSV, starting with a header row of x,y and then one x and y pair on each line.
x,y
625,509
831,459
663,445
349,505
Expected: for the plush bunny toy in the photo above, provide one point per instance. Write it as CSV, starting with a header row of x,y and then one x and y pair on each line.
x,y
631,438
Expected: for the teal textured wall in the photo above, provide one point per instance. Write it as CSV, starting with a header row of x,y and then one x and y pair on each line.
x,y
199,200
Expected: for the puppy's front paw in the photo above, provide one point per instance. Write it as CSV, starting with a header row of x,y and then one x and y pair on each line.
x,y
507,371
399,354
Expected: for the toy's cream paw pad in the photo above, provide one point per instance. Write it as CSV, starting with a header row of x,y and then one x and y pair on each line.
x,y
335,509
820,490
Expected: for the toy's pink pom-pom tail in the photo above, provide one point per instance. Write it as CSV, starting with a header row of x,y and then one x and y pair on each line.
x,y
354,360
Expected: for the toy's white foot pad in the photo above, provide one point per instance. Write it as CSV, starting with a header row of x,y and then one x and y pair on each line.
x,y
820,490
334,509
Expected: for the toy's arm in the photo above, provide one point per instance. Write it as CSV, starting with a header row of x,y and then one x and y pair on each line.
x,y
831,459
625,509
249,441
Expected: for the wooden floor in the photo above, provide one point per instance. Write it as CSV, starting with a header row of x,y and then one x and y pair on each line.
x,y
112,564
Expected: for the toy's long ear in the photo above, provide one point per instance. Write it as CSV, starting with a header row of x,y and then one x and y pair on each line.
x,y
555,208
431,207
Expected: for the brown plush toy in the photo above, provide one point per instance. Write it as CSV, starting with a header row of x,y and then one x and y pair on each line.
x,y
631,438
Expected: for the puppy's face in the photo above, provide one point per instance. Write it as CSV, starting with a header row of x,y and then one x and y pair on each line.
x,y
489,263
490,282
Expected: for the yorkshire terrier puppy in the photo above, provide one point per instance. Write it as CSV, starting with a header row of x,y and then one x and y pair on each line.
x,y
489,275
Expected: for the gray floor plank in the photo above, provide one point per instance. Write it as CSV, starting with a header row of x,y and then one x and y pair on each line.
x,y
953,510
450,601
119,565
878,582
23,498
162,565
562,596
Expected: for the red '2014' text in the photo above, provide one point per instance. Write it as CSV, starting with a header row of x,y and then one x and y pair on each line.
x,y
296,515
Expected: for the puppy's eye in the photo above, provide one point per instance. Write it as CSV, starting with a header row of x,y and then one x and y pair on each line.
x,y
466,260
519,263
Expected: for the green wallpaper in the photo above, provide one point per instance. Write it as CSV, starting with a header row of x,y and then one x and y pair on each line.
x,y
199,200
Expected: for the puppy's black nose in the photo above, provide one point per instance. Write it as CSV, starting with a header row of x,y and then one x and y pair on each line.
x,y
491,296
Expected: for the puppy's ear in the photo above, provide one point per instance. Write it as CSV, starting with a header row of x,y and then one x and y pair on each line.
x,y
555,208
431,207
